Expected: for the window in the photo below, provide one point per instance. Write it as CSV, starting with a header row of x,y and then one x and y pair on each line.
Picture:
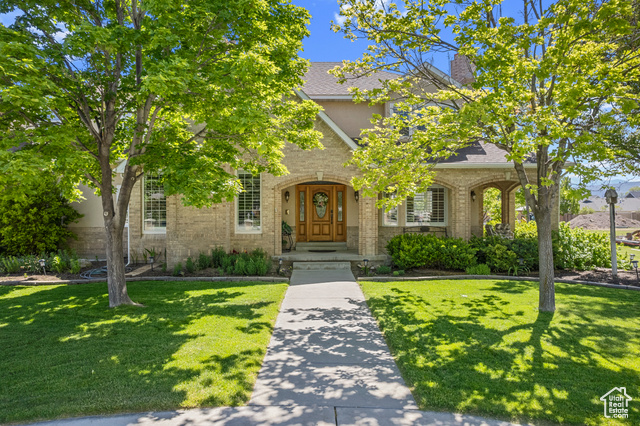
x,y
405,116
428,208
249,203
390,218
154,215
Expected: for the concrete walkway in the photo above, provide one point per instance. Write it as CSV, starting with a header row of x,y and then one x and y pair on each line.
x,y
327,351
327,364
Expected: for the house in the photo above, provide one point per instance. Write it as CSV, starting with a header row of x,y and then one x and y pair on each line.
x,y
316,198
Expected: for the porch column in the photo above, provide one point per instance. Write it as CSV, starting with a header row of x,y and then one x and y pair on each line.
x,y
367,226
277,218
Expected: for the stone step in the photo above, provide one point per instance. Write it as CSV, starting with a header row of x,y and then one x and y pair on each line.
x,y
321,246
321,266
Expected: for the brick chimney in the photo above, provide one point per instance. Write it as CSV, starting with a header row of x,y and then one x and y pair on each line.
x,y
462,70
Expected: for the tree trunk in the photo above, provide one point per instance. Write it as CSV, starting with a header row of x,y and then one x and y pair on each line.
x,y
547,300
116,283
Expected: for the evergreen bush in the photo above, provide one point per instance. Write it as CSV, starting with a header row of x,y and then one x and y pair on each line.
x,y
37,221
430,251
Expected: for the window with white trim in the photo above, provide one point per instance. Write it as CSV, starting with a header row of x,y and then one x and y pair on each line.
x,y
248,205
390,218
428,208
154,205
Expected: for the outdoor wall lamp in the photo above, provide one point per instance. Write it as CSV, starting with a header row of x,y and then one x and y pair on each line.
x,y
42,263
473,195
286,196
356,195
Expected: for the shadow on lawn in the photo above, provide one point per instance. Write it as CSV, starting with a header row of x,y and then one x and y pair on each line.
x,y
492,354
65,353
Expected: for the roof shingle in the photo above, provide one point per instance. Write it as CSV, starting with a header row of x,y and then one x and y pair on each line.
x,y
318,81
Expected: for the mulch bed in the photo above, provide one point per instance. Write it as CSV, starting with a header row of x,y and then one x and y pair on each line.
x,y
598,275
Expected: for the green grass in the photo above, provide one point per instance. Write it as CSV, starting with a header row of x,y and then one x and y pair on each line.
x,y
64,353
482,347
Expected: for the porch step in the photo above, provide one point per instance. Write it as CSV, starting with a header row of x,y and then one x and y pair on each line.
x,y
321,266
321,246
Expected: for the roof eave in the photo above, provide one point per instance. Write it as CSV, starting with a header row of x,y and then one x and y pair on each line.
x,y
324,117
467,165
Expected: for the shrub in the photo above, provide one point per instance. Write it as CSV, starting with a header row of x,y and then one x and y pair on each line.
x,y
31,264
479,269
177,270
36,222
525,230
429,251
240,266
74,266
510,251
58,264
398,273
190,266
229,270
251,267
10,265
383,270
579,249
586,210
204,261
500,258
263,266
217,254
226,262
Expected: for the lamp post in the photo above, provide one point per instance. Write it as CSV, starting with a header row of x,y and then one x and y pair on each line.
x,y
612,198
42,263
279,265
635,266
152,259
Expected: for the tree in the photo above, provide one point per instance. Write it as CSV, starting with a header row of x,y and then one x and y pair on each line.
x,y
545,81
191,90
492,206
569,197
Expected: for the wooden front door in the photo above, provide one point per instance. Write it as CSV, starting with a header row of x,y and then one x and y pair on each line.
x,y
322,213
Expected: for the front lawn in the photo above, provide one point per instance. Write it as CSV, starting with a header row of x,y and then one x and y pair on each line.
x,y
482,347
64,353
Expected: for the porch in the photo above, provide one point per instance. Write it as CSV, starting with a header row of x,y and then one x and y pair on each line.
x,y
328,252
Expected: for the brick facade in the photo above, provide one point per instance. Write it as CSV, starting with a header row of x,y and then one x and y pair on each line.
x,y
190,231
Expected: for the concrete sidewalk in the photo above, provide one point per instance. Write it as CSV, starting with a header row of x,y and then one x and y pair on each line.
x,y
327,351
327,364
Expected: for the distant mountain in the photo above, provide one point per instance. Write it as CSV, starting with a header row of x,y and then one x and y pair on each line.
x,y
621,186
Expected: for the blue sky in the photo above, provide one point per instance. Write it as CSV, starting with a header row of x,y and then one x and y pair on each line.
x,y
323,45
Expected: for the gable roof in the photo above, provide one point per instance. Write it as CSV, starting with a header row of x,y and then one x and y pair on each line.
x,y
479,154
332,124
320,84
633,194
